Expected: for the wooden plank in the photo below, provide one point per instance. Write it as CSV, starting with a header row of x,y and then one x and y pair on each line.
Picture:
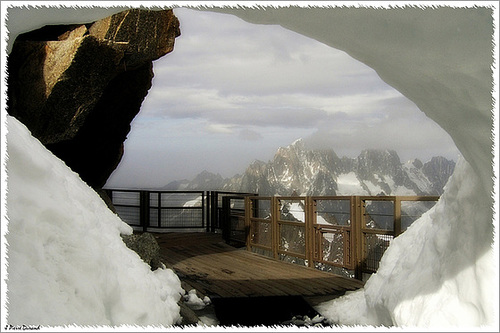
x,y
205,263
233,272
223,274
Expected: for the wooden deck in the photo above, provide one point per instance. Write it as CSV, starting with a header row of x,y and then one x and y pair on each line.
x,y
204,262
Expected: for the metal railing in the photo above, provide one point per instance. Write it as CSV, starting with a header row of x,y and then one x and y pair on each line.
x,y
150,210
215,211
346,233
342,234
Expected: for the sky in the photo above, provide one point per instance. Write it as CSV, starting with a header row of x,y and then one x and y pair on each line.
x,y
232,92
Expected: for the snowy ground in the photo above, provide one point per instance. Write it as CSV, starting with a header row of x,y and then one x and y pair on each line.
x,y
66,261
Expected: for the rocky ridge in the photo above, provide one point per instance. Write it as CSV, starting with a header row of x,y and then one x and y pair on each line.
x,y
296,169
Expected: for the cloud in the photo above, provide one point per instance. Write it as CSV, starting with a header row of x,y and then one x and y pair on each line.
x,y
220,128
227,71
250,135
408,132
233,56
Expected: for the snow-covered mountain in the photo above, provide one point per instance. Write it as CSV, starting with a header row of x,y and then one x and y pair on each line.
x,y
322,172
205,181
296,169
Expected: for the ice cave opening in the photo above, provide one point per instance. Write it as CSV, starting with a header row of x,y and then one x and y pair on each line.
x,y
442,58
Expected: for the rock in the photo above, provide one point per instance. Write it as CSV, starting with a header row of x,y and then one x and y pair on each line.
x,y
78,87
107,200
189,317
146,246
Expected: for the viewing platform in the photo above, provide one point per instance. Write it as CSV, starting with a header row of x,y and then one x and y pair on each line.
x,y
203,261
344,235
255,256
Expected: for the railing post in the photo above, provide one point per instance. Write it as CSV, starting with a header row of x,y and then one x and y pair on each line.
x,y
275,208
110,194
202,209
397,217
144,210
248,215
207,211
159,210
309,230
356,206
225,217
215,211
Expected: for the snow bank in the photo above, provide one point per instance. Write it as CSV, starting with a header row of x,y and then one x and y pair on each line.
x,y
439,273
66,261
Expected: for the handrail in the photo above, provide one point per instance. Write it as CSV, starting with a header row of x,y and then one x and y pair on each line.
x,y
324,221
357,237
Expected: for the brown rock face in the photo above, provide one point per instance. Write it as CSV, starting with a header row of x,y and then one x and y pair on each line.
x,y
78,87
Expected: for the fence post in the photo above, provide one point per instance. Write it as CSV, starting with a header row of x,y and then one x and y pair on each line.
x,y
275,208
356,206
248,215
225,217
144,210
397,216
309,230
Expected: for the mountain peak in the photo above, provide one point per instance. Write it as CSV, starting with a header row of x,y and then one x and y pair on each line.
x,y
322,172
298,142
297,145
415,163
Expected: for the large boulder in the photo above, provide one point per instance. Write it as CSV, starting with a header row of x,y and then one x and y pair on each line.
x,y
78,87
146,246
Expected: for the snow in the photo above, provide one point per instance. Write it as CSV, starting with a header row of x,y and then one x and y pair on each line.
x,y
194,203
297,211
349,184
67,264
417,176
397,190
286,178
373,189
192,300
